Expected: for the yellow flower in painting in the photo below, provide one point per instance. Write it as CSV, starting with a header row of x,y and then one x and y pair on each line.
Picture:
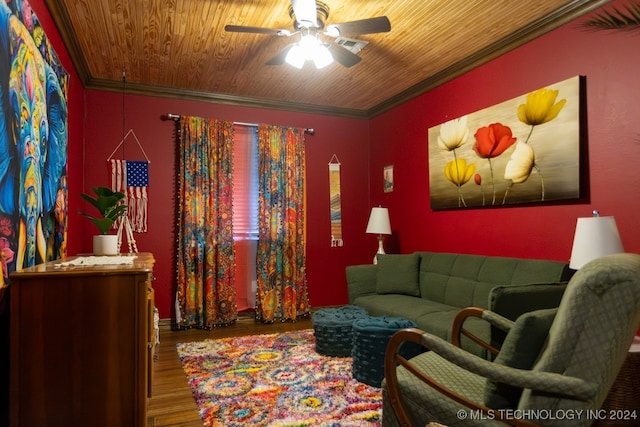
x,y
458,172
453,134
541,107
520,164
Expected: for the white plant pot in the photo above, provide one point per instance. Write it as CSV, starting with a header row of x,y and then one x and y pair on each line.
x,y
105,244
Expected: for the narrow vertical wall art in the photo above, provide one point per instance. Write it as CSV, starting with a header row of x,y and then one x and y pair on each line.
x,y
335,202
388,179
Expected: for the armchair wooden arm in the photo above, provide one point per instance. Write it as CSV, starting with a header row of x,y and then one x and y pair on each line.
x,y
457,329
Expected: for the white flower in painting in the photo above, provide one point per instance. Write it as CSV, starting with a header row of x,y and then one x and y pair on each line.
x,y
520,164
453,134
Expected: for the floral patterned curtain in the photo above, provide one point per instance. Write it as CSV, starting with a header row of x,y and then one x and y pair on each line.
x,y
205,252
281,266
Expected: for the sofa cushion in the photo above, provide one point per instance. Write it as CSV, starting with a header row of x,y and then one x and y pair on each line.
x,y
463,280
509,300
398,274
397,305
520,350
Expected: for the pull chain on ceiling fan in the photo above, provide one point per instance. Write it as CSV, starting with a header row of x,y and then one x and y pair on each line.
x,y
310,17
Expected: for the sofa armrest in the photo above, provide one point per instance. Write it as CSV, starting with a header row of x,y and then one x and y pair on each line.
x,y
514,300
361,280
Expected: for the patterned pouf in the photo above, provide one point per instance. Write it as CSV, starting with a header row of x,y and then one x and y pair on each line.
x,y
370,338
333,329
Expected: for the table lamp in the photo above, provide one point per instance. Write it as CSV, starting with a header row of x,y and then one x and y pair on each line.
x,y
379,224
595,236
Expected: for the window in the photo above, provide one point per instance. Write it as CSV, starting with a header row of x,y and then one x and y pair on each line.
x,y
245,213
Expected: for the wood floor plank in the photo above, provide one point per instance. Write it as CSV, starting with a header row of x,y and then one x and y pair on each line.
x,y
172,404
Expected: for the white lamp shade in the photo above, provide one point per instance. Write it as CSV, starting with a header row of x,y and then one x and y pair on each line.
x,y
595,237
379,221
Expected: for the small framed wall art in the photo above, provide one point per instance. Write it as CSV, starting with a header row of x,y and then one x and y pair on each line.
x,y
388,179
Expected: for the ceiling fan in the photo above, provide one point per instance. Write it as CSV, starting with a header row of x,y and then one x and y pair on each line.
x,y
309,23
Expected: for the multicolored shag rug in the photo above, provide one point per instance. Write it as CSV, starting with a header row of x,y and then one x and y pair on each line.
x,y
276,380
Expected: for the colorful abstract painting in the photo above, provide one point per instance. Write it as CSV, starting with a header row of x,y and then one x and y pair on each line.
x,y
525,150
33,142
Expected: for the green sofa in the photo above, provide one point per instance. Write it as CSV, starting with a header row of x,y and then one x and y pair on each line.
x,y
430,288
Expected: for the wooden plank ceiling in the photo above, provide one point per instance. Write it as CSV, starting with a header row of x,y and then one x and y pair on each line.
x,y
179,48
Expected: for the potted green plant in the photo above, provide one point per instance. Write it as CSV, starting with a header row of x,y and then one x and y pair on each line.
x,y
106,201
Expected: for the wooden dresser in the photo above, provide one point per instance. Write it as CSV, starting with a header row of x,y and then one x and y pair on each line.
x,y
81,344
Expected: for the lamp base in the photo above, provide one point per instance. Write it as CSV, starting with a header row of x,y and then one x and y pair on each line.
x,y
380,249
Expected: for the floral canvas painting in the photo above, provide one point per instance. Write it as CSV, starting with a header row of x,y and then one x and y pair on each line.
x,y
524,150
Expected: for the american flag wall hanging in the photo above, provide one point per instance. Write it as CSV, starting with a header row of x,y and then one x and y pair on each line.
x,y
131,177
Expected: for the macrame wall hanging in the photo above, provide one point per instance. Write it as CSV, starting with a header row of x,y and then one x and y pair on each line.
x,y
335,202
132,178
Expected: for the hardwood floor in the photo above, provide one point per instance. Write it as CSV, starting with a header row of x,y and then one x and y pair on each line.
x,y
172,403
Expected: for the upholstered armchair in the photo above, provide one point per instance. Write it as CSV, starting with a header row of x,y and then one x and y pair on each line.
x,y
554,368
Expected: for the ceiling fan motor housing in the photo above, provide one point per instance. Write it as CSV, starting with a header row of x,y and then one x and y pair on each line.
x,y
322,12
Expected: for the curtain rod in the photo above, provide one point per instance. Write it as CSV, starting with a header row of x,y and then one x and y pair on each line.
x,y
310,131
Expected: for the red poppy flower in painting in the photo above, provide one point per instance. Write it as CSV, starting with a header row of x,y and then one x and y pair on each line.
x,y
493,140
477,178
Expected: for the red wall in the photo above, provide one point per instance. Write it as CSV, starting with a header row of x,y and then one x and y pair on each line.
x,y
346,138
611,64
399,137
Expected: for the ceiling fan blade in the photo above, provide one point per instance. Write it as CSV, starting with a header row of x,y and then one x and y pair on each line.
x,y
305,12
280,57
256,30
343,56
379,24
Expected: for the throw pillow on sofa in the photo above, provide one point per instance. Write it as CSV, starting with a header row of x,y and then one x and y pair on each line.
x,y
520,349
398,274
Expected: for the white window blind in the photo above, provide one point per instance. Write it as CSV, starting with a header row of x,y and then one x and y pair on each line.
x,y
245,183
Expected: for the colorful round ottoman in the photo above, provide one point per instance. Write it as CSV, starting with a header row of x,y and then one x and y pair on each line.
x,y
370,338
333,329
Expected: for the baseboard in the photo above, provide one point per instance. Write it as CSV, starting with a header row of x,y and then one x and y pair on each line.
x,y
169,324
165,324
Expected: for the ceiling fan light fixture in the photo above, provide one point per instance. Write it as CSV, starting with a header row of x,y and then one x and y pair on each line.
x,y
309,17
309,44
322,57
310,48
296,56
